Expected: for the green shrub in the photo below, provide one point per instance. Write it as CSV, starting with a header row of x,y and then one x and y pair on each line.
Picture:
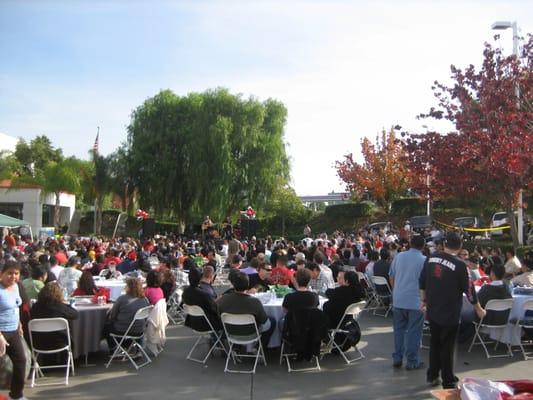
x,y
349,210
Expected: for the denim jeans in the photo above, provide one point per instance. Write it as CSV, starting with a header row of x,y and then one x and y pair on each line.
x,y
408,326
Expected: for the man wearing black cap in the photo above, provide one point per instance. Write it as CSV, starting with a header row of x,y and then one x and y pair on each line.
x,y
443,281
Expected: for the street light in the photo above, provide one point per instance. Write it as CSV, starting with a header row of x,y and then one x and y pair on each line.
x,y
502,25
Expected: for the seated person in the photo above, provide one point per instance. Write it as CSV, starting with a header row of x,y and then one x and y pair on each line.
x,y
349,291
319,281
206,282
87,287
303,297
168,283
281,274
382,266
129,264
525,279
50,304
259,282
497,289
153,291
240,302
473,268
111,272
123,311
194,296
35,282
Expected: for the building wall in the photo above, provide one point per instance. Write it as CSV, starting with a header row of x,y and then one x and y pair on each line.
x,y
33,205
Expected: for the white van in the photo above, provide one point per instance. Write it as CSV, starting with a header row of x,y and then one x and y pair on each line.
x,y
500,219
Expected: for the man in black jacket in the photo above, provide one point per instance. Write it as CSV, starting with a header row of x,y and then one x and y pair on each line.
x,y
348,292
194,296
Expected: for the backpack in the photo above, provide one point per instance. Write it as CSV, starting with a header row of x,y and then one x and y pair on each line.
x,y
351,337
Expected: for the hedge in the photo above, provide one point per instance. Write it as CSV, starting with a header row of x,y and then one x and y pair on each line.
x,y
349,210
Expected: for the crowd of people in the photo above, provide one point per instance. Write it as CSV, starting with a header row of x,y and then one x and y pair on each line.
x,y
38,276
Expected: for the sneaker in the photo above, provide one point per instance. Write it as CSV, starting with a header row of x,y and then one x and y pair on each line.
x,y
452,385
397,364
413,367
18,398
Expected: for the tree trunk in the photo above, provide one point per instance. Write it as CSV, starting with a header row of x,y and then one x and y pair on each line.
x,y
56,211
512,222
283,225
98,212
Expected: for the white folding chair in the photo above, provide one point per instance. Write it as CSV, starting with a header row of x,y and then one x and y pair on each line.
x,y
494,321
246,322
47,325
142,314
289,342
371,300
525,324
383,295
353,310
207,335
175,311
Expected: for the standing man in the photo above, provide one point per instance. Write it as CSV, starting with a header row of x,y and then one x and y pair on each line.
x,y
443,281
408,318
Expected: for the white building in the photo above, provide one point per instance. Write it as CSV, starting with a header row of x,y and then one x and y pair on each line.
x,y
30,204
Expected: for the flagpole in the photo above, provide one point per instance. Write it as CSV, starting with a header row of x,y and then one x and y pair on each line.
x,y
95,154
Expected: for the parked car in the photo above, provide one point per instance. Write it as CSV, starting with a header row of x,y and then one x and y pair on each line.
x,y
468,222
377,226
499,219
421,222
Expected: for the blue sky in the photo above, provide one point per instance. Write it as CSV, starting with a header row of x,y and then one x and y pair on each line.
x,y
344,69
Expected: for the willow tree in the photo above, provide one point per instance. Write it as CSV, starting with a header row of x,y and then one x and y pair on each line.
x,y
206,153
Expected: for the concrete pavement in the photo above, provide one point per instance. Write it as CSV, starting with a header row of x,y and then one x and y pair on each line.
x,y
171,376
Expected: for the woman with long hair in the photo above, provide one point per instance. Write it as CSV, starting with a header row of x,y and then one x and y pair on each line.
x,y
10,327
124,309
87,287
153,291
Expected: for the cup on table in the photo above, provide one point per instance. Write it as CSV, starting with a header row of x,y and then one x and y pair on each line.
x,y
101,300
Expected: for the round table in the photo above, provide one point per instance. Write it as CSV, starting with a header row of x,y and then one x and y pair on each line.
x,y
274,309
87,330
115,286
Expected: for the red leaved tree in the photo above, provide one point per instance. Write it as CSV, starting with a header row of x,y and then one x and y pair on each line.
x,y
383,173
490,155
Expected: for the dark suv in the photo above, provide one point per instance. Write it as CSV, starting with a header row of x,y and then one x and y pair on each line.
x,y
420,222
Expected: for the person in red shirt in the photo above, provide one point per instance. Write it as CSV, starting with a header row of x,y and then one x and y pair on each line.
x,y
112,257
87,287
61,257
281,275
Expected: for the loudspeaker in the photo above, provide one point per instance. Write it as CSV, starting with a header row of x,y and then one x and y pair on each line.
x,y
249,228
148,228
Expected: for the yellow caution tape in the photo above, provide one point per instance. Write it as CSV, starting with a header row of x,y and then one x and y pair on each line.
x,y
475,229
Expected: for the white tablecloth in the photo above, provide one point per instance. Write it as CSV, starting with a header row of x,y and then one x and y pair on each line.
x,y
274,309
511,334
116,287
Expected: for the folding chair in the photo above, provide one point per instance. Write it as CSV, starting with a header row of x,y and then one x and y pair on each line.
x,y
353,310
497,317
526,323
209,334
241,330
383,294
371,300
156,328
142,314
47,325
175,311
298,330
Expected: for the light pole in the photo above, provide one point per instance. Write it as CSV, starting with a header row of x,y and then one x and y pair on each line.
x,y
502,25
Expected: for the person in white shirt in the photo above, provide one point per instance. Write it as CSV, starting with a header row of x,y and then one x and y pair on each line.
x,y
54,267
326,271
69,277
525,279
512,265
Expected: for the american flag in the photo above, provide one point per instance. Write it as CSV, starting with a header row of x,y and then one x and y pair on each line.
x,y
95,147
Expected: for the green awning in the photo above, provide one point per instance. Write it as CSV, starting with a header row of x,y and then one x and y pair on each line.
x,y
6,220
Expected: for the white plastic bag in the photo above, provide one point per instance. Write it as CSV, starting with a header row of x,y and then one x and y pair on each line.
x,y
483,389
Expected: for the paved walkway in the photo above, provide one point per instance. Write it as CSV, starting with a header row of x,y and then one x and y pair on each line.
x,y
171,376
